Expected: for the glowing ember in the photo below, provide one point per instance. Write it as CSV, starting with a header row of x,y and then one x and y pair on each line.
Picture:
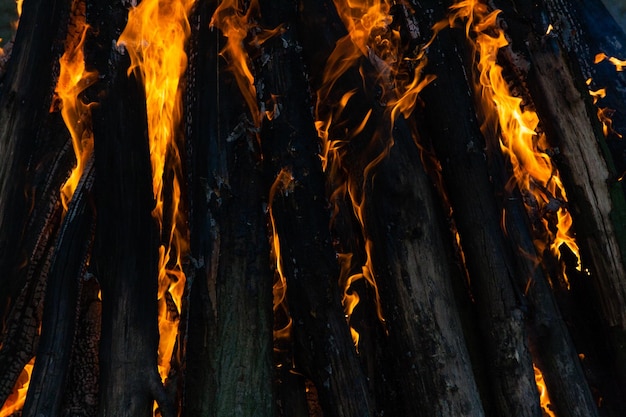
x,y
544,398
15,402
155,38
73,80
520,140
283,183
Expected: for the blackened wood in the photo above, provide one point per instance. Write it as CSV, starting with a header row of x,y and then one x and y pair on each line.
x,y
61,304
125,248
459,145
229,363
323,347
24,103
125,253
81,394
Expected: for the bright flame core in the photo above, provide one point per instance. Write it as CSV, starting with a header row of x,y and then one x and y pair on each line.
x,y
533,171
15,402
155,38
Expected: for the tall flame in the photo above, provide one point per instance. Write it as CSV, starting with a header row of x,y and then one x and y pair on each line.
x,y
520,140
155,38
15,401
370,37
73,80
544,398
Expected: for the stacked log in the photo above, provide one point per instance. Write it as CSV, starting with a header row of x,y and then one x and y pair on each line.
x,y
343,171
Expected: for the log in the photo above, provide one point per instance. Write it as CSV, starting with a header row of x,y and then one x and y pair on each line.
x,y
42,159
459,145
61,303
596,200
25,97
403,230
323,347
125,248
230,337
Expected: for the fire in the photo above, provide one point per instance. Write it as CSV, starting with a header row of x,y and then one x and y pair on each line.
x,y
283,183
370,37
15,401
73,80
520,139
155,38
544,398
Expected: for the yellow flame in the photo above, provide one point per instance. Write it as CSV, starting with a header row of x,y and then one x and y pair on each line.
x,y
155,38
520,139
15,401
283,183
544,398
73,80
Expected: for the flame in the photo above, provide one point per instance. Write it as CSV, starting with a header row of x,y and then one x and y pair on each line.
x,y
15,401
618,63
155,38
370,37
520,140
283,183
73,80
544,398
237,26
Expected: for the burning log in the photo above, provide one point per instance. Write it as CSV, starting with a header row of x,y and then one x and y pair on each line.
x,y
229,357
323,348
460,146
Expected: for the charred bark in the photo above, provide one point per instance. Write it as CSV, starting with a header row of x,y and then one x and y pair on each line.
x,y
61,304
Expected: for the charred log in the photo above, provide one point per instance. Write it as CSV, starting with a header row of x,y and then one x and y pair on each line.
x,y
230,340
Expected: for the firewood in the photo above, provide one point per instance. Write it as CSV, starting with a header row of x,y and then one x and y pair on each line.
x,y
229,364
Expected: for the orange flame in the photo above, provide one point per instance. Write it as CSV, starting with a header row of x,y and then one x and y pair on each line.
x,y
283,183
520,140
73,80
544,398
155,38
237,26
618,63
15,401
